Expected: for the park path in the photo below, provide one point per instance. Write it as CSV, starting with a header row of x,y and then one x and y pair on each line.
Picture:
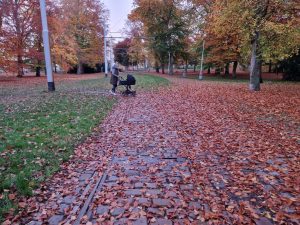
x,y
131,173
172,156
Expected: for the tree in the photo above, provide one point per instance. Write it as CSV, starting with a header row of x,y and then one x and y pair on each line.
x,y
162,22
138,48
271,28
224,36
16,33
63,43
84,24
251,32
121,52
291,67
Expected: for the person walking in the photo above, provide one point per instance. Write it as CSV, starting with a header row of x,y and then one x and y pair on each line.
x,y
114,78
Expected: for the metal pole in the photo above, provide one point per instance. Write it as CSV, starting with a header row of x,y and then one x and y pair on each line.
x,y
105,51
111,54
201,67
169,64
51,86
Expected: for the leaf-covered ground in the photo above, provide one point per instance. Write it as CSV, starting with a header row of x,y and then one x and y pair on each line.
x,y
195,152
39,130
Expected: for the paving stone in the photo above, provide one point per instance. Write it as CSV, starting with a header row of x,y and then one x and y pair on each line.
x,y
176,180
151,185
195,205
170,211
192,215
171,194
138,185
131,172
160,202
112,178
135,210
143,201
263,221
187,174
62,208
85,176
162,222
187,187
69,199
122,221
133,179
124,201
180,222
134,192
177,201
156,211
140,221
168,186
143,168
35,223
110,185
117,211
181,160
55,220
102,210
153,192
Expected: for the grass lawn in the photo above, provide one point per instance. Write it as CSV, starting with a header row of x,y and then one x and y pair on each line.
x,y
38,130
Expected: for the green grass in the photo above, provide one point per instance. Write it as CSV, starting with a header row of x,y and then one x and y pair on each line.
x,y
235,80
38,130
219,79
146,82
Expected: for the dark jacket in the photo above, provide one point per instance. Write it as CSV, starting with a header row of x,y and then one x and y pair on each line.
x,y
114,76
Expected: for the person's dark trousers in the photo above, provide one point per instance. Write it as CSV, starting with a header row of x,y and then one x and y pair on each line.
x,y
114,88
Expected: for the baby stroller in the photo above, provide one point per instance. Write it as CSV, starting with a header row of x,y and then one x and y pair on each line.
x,y
130,80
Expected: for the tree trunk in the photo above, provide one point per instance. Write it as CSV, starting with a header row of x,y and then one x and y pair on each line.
x,y
255,64
227,69
38,69
235,64
171,72
218,71
55,68
20,66
163,68
221,70
260,72
208,70
19,40
270,66
156,67
39,61
79,68
1,15
185,69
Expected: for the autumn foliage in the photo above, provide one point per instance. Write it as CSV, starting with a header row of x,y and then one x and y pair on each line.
x,y
249,33
76,34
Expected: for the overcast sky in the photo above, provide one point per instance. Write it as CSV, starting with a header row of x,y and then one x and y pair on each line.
x,y
118,10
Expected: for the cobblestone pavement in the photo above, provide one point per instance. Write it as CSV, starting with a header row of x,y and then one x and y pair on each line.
x,y
144,182
147,182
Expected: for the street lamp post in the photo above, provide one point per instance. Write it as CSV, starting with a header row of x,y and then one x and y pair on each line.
x,y
201,67
105,49
51,86
111,54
